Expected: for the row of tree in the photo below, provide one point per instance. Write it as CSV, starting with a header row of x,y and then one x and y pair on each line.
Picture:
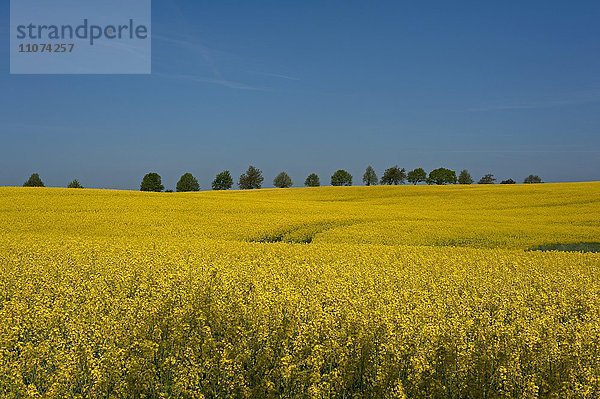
x,y
395,175
253,179
35,181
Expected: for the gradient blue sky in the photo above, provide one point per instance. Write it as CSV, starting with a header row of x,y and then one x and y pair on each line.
x,y
509,88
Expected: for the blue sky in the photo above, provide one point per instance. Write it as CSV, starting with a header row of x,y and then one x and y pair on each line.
x,y
509,88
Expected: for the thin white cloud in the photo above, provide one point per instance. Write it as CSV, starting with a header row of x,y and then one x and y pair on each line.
x,y
200,79
197,47
209,56
277,75
206,54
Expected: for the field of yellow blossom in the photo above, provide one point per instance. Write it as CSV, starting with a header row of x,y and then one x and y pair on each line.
x,y
331,292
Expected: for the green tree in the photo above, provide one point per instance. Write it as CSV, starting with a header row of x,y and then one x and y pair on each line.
x,y
532,179
464,177
341,178
223,181
74,184
370,177
312,180
508,181
252,179
187,182
487,179
417,175
441,176
394,175
282,180
34,181
152,182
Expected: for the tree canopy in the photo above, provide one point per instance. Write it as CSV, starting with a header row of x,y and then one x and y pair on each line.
x,y
34,181
282,180
441,176
417,175
370,177
312,180
223,181
152,182
252,179
187,182
341,178
532,179
487,179
464,177
74,184
394,175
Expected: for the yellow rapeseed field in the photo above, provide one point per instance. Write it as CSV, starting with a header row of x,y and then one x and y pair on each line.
x,y
345,292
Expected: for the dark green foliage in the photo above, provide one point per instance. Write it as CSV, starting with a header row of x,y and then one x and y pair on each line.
x,y
74,184
464,177
370,177
571,247
252,179
417,175
341,178
312,180
487,179
223,181
152,182
508,181
283,180
168,191
394,175
532,179
187,182
34,181
442,176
